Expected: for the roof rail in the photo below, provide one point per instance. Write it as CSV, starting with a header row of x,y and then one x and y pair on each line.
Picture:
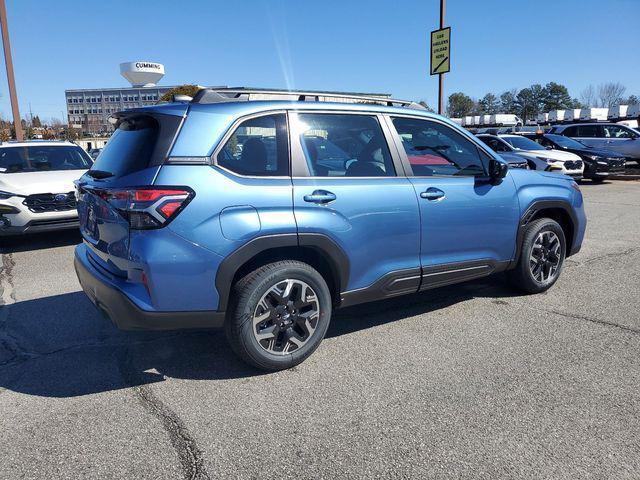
x,y
221,95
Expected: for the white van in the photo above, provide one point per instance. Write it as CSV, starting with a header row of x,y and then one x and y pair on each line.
x,y
571,115
542,118
556,116
594,114
505,120
618,112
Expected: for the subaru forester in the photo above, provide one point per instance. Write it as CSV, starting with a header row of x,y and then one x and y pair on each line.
x,y
263,216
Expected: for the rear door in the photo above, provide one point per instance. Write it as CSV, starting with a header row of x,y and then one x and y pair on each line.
x,y
350,188
590,135
131,158
468,225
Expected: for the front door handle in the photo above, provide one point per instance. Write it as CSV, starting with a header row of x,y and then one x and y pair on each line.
x,y
432,193
320,196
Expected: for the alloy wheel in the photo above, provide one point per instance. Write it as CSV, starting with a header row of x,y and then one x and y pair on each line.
x,y
286,317
546,255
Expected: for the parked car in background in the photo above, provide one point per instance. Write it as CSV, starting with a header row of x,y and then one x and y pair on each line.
x,y
538,157
607,136
94,152
36,185
356,202
598,163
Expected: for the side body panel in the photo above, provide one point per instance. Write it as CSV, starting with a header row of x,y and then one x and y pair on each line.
x,y
473,221
227,212
375,220
552,190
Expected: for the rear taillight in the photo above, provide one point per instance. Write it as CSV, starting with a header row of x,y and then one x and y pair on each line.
x,y
148,207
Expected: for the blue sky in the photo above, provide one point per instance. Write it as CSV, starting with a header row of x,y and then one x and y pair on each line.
x,y
372,45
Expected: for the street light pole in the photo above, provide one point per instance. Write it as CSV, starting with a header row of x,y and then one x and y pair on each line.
x,y
6,45
443,5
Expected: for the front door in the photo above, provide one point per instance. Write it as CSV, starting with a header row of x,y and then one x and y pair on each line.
x,y
347,186
622,140
469,226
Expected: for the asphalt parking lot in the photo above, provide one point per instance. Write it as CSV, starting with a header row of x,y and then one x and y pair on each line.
x,y
470,381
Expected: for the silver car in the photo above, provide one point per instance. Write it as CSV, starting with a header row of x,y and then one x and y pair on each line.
x,y
609,136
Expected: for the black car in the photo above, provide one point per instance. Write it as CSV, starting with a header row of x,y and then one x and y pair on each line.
x,y
598,163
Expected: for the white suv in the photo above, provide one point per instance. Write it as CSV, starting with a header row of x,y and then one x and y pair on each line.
x,y
36,185
539,157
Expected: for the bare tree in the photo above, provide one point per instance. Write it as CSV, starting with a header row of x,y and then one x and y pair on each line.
x,y
588,97
610,94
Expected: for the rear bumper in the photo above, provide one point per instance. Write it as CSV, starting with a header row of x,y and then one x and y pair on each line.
x,y
121,310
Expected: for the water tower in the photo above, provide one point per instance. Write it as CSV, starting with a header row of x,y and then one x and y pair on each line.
x,y
142,74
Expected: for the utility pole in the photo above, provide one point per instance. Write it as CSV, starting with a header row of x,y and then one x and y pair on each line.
x,y
6,45
443,6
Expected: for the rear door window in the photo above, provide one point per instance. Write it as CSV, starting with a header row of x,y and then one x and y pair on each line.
x,y
343,145
589,131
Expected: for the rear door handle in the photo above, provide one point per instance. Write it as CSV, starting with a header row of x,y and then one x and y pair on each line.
x,y
432,193
320,196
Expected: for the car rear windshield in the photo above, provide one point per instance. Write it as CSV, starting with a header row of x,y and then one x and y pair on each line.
x,y
130,147
43,158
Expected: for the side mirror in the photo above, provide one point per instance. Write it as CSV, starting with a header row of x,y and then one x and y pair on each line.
x,y
497,170
548,147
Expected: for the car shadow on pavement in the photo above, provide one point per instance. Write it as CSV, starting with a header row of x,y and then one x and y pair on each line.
x,y
37,241
60,346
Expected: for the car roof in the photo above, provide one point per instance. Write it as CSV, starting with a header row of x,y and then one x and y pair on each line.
x,y
240,109
559,128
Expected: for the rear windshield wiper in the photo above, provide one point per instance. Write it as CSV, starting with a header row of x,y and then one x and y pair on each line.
x,y
99,174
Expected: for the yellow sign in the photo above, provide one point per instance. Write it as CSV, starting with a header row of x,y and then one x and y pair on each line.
x,y
440,51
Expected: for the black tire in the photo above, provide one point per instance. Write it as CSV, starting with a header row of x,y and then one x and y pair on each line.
x,y
598,179
522,276
248,292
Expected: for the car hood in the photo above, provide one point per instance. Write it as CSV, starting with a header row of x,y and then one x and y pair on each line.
x,y
598,152
28,183
552,154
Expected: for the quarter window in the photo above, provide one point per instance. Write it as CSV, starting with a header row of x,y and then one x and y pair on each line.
x,y
435,149
258,147
342,145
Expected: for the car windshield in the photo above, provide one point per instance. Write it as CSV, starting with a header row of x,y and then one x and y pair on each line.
x,y
565,142
522,143
43,158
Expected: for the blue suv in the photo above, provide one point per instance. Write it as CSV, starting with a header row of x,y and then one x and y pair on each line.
x,y
263,216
